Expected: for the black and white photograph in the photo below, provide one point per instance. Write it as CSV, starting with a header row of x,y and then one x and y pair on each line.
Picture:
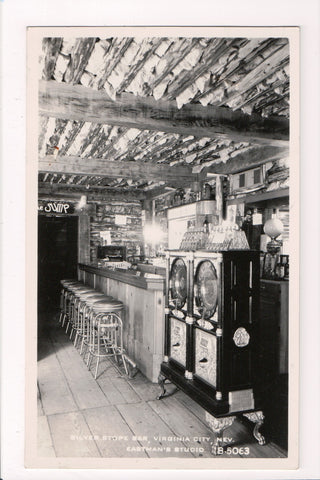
x,y
164,172
159,232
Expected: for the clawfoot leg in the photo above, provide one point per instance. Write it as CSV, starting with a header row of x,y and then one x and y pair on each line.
x,y
161,380
218,425
257,418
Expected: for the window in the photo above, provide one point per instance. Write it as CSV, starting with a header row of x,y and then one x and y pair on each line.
x,y
242,178
256,176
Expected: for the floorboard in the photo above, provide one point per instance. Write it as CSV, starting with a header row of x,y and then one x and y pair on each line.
x,y
152,431
198,437
44,439
72,436
108,385
56,396
117,416
146,390
85,390
113,436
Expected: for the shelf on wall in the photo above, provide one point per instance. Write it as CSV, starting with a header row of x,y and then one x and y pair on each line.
x,y
254,198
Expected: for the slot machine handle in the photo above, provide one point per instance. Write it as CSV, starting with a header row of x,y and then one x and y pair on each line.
x,y
203,360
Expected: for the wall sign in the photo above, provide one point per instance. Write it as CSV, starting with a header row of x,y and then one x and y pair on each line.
x,y
54,207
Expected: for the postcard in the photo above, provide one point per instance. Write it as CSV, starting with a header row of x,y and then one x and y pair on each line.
x,y
159,357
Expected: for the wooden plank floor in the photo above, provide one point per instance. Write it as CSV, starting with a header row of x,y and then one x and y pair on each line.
x,y
115,416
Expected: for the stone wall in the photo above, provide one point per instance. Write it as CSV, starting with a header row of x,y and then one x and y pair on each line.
x,y
124,222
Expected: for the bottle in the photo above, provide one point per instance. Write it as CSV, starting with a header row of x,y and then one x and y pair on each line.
x,y
206,192
206,225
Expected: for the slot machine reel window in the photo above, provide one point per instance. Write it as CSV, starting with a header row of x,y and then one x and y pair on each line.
x,y
206,289
178,283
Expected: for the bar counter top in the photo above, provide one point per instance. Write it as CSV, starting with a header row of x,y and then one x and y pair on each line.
x,y
137,278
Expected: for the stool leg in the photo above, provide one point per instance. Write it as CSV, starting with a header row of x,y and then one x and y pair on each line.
x,y
84,331
60,317
71,324
97,366
90,341
73,316
77,326
64,310
115,344
68,315
121,345
98,348
89,359
81,346
124,364
61,306
63,319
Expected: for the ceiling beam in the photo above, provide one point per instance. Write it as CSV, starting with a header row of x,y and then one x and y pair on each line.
x,y
250,158
49,191
112,169
79,103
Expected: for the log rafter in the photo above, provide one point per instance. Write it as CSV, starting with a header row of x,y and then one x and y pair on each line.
x,y
99,167
75,102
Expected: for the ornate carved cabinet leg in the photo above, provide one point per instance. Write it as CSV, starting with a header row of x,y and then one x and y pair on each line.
x,y
161,380
218,425
257,418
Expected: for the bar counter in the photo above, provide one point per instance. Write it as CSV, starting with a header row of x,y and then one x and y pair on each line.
x,y
143,317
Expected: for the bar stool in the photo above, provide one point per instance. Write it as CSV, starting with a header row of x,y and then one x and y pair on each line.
x,y
79,295
86,316
70,289
70,299
80,312
106,332
64,298
75,294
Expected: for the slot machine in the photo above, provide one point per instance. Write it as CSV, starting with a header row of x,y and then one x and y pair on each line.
x,y
211,332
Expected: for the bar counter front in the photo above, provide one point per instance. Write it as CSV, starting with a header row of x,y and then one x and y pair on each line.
x,y
142,294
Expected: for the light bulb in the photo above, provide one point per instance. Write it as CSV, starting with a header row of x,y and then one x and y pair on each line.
x,y
273,227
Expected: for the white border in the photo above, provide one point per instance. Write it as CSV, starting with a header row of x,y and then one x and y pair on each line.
x,y
16,15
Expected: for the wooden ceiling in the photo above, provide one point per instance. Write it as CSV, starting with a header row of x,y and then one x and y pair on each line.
x,y
141,114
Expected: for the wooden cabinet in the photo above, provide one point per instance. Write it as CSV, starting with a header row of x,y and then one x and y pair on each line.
x,y
273,328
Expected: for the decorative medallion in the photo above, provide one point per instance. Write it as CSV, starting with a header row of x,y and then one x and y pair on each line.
x,y
241,337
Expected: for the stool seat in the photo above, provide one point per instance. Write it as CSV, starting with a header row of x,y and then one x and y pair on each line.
x,y
66,283
90,301
78,286
84,295
69,280
106,306
79,293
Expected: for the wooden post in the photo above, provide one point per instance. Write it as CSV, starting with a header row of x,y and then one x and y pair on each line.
x,y
84,239
219,197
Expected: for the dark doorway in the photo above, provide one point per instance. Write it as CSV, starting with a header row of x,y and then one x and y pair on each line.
x,y
57,257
